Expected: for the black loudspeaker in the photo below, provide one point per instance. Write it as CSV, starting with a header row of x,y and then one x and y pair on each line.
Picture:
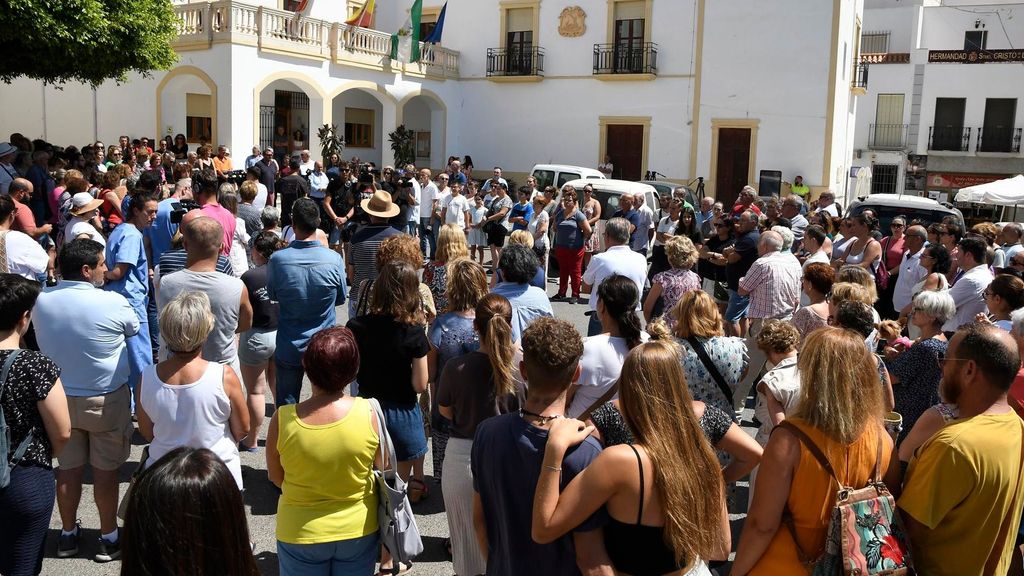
x,y
770,183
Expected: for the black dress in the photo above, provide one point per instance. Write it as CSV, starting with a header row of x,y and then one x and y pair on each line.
x,y
609,422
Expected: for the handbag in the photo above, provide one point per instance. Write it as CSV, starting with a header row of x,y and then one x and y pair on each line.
x,y
398,530
881,272
698,347
865,533
122,508
9,460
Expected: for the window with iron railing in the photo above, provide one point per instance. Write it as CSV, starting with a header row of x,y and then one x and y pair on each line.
x,y
874,42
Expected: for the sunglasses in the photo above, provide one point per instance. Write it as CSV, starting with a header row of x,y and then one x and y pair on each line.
x,y
896,225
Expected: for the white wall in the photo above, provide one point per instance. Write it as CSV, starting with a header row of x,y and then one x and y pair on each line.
x,y
360,99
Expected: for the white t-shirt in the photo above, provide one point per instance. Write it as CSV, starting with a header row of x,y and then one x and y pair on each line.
x,y
600,366
260,202
832,209
76,227
665,226
25,257
417,193
239,255
457,207
442,198
535,222
427,196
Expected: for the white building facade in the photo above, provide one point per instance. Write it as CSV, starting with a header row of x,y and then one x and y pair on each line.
x,y
942,109
684,88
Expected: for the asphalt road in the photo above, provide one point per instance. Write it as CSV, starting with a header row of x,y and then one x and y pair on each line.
x,y
261,500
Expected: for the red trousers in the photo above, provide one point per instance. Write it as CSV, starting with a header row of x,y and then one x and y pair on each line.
x,y
570,268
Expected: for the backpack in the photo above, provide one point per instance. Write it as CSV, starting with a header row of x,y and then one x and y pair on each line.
x,y
865,532
5,433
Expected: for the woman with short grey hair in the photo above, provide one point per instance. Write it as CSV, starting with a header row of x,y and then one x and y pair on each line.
x,y
915,371
186,400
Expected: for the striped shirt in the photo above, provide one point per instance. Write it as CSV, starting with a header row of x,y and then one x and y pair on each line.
x,y
365,243
174,260
774,285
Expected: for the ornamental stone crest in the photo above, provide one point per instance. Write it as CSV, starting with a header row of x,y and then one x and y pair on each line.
x,y
572,22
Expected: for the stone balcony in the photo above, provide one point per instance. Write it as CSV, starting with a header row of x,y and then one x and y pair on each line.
x,y
203,24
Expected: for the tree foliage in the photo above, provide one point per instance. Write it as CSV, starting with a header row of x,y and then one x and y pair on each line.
x,y
330,141
85,40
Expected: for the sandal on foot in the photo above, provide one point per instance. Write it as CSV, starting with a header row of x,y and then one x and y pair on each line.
x,y
417,490
403,568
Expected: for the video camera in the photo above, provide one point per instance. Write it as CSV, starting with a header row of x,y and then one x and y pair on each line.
x,y
235,177
182,207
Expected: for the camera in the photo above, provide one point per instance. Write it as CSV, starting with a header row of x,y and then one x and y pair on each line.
x,y
182,207
235,177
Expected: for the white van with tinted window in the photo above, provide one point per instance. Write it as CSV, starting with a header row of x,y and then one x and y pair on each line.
x,y
558,174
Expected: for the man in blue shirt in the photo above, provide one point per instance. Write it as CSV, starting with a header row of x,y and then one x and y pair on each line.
x,y
84,330
627,210
522,212
518,266
308,281
506,460
128,275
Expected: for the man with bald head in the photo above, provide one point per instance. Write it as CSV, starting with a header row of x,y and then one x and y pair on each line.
x,y
963,488
21,191
910,272
229,300
175,259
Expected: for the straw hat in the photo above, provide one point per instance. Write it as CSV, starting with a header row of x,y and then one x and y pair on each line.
x,y
380,205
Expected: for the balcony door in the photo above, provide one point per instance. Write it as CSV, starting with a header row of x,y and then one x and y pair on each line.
x,y
947,132
889,121
519,42
733,164
625,145
997,135
629,37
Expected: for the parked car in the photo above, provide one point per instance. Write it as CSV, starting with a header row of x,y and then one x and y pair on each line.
x,y
888,206
558,174
665,187
608,192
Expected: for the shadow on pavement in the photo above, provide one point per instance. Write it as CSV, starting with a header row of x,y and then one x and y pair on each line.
x,y
260,494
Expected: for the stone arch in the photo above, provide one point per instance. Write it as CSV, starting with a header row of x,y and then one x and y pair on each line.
x,y
438,124
187,70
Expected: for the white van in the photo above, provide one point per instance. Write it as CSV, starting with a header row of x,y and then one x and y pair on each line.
x,y
608,192
558,174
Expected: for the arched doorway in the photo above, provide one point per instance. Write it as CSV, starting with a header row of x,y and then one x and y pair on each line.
x,y
290,113
426,114
364,113
186,101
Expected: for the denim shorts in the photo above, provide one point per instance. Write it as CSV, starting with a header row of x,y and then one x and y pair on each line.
x,y
257,346
356,556
738,305
405,425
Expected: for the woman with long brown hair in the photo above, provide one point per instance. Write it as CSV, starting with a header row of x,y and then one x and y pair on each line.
x,y
840,411
664,493
474,387
393,362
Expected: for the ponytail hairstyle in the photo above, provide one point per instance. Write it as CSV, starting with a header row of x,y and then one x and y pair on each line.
x,y
620,297
494,324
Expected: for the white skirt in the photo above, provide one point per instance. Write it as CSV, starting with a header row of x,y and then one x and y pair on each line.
x,y
457,485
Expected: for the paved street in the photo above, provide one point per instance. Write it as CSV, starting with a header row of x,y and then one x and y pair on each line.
x,y
261,501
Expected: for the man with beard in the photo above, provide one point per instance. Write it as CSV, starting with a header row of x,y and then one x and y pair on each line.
x,y
963,487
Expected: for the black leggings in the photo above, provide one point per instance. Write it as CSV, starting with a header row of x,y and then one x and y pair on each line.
x,y
25,507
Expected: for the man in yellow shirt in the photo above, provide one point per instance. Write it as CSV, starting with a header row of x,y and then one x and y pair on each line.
x,y
799,188
962,496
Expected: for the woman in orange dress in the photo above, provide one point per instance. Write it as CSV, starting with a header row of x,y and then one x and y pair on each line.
x,y
841,411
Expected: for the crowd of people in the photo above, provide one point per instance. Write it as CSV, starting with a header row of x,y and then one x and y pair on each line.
x,y
166,293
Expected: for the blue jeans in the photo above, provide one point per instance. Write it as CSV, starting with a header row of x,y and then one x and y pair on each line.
x,y
428,245
289,382
356,557
737,309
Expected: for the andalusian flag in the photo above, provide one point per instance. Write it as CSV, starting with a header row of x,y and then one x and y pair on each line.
x,y
364,17
405,44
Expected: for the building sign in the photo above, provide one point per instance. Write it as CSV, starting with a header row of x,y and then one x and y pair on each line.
x,y
974,56
948,180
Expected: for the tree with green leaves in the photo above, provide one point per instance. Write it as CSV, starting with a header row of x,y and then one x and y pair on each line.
x,y
85,40
403,144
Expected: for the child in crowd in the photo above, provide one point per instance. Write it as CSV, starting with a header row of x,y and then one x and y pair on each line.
x,y
477,238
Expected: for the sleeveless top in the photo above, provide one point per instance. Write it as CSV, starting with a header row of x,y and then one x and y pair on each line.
x,y
812,494
328,493
635,548
195,415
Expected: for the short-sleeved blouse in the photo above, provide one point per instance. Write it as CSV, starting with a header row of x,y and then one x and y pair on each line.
x,y
435,276
674,283
612,426
919,373
30,380
730,357
452,335
806,320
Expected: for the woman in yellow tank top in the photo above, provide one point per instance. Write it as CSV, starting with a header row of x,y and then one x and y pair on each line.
x,y
841,411
321,453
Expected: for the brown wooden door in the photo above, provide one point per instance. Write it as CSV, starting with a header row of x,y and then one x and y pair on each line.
x,y
733,164
625,145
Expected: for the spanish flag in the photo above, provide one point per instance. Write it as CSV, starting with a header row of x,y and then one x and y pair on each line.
x,y
364,17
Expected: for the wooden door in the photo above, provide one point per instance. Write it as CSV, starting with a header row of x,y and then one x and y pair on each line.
x,y
625,145
733,164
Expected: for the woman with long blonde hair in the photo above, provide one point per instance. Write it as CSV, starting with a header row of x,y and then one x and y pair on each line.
x,y
840,411
451,245
472,388
664,494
